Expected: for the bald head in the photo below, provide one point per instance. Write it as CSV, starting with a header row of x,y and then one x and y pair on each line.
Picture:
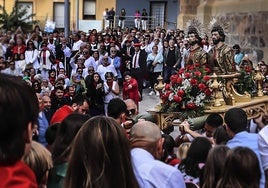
x,y
147,135
144,131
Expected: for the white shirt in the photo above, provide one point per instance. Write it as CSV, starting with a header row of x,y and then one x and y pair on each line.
x,y
154,173
102,70
31,57
263,146
76,45
91,62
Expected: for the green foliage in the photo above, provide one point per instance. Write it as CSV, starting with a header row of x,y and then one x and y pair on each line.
x,y
17,18
246,83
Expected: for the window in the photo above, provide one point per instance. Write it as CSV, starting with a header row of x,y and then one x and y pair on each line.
x,y
158,12
59,15
89,9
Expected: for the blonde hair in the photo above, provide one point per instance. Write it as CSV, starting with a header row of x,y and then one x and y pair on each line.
x,y
39,160
182,150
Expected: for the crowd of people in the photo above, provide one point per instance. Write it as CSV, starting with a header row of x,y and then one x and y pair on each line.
x,y
78,98
87,151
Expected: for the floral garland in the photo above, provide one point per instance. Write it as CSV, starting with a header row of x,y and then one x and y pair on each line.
x,y
187,91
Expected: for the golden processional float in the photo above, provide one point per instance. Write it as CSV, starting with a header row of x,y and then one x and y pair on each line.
x,y
224,97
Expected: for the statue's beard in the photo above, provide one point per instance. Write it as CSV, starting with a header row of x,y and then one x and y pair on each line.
x,y
192,43
216,41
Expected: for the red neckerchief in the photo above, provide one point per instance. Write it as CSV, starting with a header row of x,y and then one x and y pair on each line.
x,y
52,80
110,84
44,54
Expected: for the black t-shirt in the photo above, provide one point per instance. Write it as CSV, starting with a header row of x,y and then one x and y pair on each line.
x,y
171,58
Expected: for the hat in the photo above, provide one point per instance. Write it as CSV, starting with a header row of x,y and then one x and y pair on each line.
x,y
137,44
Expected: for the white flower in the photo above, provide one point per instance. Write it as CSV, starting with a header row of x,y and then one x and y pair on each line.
x,y
170,97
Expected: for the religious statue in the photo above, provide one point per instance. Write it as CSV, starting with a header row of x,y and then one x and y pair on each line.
x,y
195,33
221,55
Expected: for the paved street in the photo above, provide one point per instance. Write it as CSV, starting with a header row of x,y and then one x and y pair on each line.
x,y
148,101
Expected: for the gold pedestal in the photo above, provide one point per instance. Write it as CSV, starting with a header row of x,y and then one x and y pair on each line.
x,y
253,109
230,95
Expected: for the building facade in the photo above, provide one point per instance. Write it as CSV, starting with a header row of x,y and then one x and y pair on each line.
x,y
82,11
247,18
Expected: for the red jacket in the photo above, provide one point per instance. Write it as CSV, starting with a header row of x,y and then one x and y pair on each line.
x,y
17,175
133,92
60,114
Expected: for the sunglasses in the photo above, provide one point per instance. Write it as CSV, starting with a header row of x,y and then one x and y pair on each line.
x,y
130,112
105,59
91,70
260,64
113,51
85,52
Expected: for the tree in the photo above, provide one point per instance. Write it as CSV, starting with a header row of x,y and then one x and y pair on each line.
x,y
18,17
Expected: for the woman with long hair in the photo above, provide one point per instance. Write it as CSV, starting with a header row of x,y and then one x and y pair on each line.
x,y
62,145
192,166
95,92
241,169
100,156
31,56
214,166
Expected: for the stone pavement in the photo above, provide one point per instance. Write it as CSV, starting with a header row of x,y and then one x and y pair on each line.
x,y
150,102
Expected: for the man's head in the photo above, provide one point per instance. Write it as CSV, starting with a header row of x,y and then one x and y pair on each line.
x,y
71,90
128,43
171,43
61,71
213,121
86,53
80,104
147,135
18,111
12,65
105,60
137,47
47,102
236,48
156,41
113,51
59,92
76,37
117,109
132,109
235,120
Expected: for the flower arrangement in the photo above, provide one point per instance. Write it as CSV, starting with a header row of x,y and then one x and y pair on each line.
x,y
245,82
187,91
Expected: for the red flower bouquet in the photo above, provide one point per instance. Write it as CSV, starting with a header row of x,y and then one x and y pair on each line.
x,y
187,92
